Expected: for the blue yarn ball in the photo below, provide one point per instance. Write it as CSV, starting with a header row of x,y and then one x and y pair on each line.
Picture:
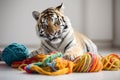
x,y
14,52
0,55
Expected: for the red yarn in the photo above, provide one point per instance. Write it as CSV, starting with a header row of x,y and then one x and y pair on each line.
x,y
36,58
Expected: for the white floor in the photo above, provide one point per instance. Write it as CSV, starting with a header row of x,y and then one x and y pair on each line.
x,y
8,73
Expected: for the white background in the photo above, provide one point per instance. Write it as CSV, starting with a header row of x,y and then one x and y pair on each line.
x,y
97,19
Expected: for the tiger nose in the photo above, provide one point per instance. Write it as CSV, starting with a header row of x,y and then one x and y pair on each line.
x,y
53,34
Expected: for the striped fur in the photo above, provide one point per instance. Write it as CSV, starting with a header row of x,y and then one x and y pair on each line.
x,y
57,34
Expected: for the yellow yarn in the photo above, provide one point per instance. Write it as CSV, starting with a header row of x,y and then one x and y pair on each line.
x,y
21,66
111,62
62,66
88,63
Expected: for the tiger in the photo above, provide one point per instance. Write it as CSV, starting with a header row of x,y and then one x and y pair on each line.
x,y
57,34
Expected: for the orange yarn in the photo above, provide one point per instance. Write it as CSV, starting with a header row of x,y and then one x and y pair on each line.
x,y
88,63
111,62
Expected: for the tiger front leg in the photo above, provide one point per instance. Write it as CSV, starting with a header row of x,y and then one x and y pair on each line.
x,y
36,52
72,53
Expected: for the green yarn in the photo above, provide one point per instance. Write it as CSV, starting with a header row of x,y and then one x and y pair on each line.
x,y
14,52
49,59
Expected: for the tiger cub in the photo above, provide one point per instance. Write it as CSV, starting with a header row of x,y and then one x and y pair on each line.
x,y
57,34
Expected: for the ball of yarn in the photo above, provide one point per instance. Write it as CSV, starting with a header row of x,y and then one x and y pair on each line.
x,y
111,62
14,52
88,62
0,55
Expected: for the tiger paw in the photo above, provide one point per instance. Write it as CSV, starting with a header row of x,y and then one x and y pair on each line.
x,y
34,52
70,56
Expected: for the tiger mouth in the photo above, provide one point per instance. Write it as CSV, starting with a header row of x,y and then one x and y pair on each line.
x,y
49,38
54,40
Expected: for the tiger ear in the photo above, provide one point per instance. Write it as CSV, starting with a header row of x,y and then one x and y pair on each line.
x,y
36,15
60,7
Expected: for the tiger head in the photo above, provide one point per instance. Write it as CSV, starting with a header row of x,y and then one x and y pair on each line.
x,y
52,25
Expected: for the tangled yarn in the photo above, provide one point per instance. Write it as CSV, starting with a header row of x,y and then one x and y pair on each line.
x,y
36,58
23,63
88,62
111,62
14,52
54,64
